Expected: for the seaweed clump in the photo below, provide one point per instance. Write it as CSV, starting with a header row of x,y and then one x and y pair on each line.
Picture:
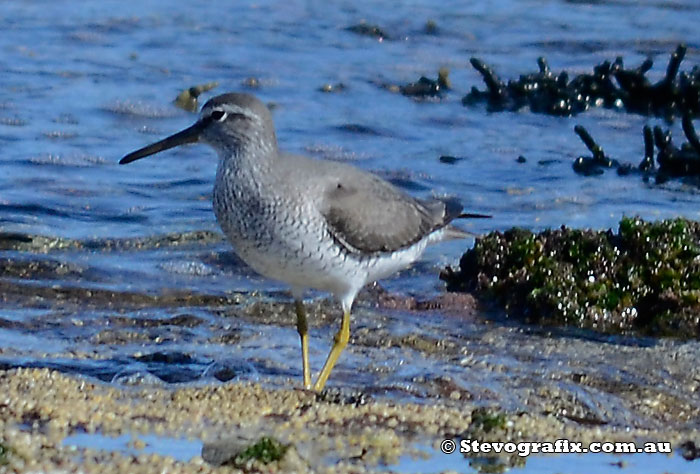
x,y
645,278
266,450
491,425
610,85
424,87
673,161
366,29
3,455
188,99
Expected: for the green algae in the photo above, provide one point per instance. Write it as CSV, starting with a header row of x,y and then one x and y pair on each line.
x,y
485,420
265,450
645,278
492,425
6,453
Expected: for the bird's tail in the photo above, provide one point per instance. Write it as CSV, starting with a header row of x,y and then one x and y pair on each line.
x,y
454,210
452,232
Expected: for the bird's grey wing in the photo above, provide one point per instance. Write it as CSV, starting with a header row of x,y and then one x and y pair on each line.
x,y
368,215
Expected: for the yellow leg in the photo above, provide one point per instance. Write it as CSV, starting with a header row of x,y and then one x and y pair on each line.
x,y
340,341
303,329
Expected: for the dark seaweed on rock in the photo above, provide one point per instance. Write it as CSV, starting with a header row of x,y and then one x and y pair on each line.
x,y
592,165
610,85
424,87
366,29
677,162
645,278
673,162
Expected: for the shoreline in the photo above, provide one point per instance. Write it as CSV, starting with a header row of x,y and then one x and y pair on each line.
x,y
42,407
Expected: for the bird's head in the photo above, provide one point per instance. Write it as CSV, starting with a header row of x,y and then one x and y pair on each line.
x,y
229,122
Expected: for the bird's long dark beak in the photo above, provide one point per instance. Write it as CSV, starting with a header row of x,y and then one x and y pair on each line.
x,y
188,135
473,215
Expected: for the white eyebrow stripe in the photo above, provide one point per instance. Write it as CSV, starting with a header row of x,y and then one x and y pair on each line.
x,y
229,112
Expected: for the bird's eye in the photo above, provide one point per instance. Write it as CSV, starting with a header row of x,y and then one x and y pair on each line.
x,y
218,115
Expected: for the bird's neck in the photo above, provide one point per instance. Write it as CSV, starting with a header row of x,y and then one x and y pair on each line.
x,y
250,157
247,166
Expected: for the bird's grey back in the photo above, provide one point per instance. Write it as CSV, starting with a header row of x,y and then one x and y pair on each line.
x,y
365,213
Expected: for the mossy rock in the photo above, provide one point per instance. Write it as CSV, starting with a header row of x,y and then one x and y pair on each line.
x,y
266,450
486,420
6,455
645,278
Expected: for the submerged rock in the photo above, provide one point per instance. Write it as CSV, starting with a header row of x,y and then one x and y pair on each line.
x,y
248,456
424,87
366,29
645,278
328,87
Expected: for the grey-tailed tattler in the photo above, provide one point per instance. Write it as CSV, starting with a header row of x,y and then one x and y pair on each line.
x,y
309,223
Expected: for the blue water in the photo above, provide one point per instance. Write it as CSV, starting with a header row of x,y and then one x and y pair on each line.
x,y
560,464
83,83
102,78
433,461
177,448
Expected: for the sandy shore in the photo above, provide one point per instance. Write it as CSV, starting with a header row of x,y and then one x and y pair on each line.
x,y
40,408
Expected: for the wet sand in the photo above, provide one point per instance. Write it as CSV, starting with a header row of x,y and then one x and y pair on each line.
x,y
42,407
416,372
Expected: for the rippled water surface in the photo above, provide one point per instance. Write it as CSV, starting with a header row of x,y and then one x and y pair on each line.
x,y
97,258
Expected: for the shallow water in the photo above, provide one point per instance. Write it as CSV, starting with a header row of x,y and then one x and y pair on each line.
x,y
177,448
83,84
430,461
561,464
